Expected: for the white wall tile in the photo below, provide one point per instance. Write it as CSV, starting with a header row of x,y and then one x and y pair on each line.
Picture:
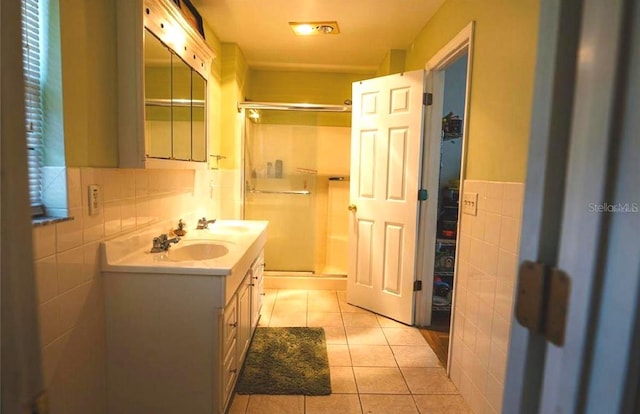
x,y
112,218
46,271
74,188
69,233
492,228
70,269
485,275
93,226
478,225
509,234
91,260
128,214
67,269
49,321
495,190
128,177
71,305
44,241
494,392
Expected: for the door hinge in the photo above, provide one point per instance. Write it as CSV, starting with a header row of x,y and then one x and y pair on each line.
x,y
542,300
423,194
427,99
417,285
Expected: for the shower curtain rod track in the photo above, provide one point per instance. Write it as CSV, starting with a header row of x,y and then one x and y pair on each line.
x,y
283,106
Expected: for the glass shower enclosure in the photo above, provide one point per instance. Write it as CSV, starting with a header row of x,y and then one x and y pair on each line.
x,y
296,171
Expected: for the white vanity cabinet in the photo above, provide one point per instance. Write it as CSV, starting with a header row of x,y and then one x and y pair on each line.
x,y
177,338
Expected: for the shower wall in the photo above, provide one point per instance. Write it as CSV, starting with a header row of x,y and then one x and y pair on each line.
x,y
306,210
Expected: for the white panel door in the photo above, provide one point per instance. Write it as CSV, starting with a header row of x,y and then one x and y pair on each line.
x,y
386,137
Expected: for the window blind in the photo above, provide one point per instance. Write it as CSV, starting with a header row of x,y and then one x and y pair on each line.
x,y
33,97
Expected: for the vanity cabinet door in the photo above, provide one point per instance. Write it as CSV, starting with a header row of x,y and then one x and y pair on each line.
x,y
244,317
230,365
257,292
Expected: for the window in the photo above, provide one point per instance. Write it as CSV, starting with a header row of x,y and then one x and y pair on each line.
x,y
33,99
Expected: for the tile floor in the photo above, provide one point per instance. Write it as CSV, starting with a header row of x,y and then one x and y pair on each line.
x,y
378,366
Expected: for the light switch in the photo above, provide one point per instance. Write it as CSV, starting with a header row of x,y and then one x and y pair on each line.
x,y
94,199
470,203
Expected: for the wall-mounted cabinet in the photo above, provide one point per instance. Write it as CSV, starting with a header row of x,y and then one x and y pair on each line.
x,y
163,67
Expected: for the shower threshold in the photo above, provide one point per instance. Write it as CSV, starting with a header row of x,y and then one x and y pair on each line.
x,y
303,280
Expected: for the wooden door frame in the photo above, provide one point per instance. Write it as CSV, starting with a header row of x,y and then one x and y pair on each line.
x,y
583,130
21,379
460,44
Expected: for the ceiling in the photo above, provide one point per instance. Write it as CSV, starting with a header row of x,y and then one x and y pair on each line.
x,y
368,30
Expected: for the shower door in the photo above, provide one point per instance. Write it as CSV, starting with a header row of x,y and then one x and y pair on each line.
x,y
294,180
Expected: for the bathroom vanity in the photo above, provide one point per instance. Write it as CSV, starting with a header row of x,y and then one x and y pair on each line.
x,y
179,323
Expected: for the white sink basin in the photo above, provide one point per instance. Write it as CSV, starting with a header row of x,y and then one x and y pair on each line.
x,y
197,251
214,252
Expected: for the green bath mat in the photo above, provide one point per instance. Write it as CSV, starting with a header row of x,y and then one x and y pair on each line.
x,y
286,361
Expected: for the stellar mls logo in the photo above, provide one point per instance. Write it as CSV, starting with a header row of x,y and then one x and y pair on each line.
x,y
614,208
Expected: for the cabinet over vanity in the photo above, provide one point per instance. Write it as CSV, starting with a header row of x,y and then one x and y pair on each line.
x,y
164,64
179,323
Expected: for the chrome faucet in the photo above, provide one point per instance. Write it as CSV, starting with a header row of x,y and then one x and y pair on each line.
x,y
162,243
203,223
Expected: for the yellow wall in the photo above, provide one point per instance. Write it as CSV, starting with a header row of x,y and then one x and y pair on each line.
x,y
234,84
308,87
393,62
502,80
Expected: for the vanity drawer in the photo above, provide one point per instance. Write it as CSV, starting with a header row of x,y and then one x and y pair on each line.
x,y
230,326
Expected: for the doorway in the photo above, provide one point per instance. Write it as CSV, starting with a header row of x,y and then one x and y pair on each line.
x,y
451,140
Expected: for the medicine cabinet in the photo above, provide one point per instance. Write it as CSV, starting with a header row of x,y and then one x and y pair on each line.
x,y
163,66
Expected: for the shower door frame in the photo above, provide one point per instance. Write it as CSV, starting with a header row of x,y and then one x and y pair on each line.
x,y
278,106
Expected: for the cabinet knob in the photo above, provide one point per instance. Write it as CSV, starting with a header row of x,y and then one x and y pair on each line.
x,y
263,294
234,324
252,284
254,277
233,371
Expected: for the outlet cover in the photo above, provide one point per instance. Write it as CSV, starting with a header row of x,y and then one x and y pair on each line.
x,y
470,203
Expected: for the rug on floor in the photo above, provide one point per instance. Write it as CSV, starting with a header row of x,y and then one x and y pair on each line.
x,y
286,361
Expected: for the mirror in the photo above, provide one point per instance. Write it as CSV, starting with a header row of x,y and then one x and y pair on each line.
x,y
175,116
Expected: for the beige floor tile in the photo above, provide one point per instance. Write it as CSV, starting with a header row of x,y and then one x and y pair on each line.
x,y
415,356
428,381
360,319
441,404
288,319
379,380
239,404
292,294
323,301
365,336
387,404
333,404
343,381
324,319
404,336
348,308
276,404
389,323
339,355
335,335
372,356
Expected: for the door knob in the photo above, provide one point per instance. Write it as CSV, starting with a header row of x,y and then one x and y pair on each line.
x,y
353,207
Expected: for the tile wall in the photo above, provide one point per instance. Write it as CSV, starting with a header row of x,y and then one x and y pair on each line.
x,y
488,254
67,265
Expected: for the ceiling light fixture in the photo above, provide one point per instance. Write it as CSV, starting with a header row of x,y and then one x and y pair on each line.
x,y
314,28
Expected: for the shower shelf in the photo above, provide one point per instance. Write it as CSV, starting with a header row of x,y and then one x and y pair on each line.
x,y
299,192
